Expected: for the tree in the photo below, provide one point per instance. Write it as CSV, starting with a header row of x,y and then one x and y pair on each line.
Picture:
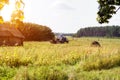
x,y
2,4
17,15
106,9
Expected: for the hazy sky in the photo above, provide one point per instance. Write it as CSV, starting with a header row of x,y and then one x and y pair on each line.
x,y
65,15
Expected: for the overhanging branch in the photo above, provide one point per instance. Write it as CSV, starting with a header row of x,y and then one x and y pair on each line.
x,y
117,9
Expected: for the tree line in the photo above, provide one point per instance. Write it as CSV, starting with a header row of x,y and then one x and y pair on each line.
x,y
102,31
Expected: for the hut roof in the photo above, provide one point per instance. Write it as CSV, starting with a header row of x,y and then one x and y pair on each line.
x,y
6,31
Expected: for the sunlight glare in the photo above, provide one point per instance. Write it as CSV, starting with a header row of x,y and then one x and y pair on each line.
x,y
7,10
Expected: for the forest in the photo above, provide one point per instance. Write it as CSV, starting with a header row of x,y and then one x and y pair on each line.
x,y
101,31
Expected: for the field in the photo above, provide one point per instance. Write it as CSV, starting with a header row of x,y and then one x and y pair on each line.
x,y
74,61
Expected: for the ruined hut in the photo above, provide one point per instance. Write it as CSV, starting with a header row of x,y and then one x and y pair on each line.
x,y
10,36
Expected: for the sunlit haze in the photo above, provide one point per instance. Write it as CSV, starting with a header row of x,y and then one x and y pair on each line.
x,y
7,10
66,16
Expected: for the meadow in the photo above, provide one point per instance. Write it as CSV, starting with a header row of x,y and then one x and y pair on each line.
x,y
76,60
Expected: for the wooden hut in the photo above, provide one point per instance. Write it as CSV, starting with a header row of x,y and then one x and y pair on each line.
x,y
10,36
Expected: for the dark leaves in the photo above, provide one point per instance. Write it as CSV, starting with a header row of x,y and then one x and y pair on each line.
x,y
106,9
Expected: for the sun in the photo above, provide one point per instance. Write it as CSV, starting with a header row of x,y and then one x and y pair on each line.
x,y
7,10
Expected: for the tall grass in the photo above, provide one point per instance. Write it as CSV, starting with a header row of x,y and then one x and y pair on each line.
x,y
73,61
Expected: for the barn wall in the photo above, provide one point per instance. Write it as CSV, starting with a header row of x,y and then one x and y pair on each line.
x,y
4,41
15,41
11,41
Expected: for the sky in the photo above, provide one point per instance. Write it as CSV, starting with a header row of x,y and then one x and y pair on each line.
x,y
66,16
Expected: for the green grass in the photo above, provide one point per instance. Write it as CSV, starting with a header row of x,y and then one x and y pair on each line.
x,y
74,61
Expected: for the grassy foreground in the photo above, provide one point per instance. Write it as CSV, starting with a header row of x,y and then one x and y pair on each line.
x,y
74,61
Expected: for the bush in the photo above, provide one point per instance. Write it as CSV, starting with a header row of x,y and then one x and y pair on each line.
x,y
35,32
